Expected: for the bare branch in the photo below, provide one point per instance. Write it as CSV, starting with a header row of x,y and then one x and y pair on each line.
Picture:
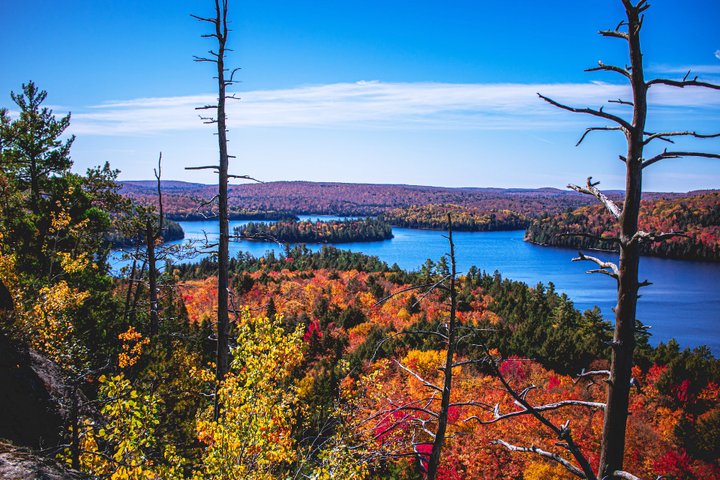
x,y
682,83
591,374
398,292
662,135
245,177
614,33
666,154
424,382
625,475
622,102
610,68
597,113
641,236
204,167
563,432
595,129
604,266
538,408
549,455
214,21
208,120
590,189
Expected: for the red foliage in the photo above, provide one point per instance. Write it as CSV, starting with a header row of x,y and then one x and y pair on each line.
x,y
684,395
514,368
314,327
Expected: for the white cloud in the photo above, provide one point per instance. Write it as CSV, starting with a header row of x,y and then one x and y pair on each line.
x,y
373,104
683,69
717,54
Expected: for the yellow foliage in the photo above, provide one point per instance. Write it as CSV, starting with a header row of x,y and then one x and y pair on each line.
x,y
253,437
132,346
425,363
546,471
128,433
50,326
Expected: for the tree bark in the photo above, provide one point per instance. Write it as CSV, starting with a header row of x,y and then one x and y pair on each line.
x,y
223,320
623,346
434,462
151,237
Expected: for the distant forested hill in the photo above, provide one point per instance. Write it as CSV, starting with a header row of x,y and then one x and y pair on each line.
x,y
467,219
184,200
697,216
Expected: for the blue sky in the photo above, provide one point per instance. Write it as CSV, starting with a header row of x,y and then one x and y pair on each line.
x,y
434,93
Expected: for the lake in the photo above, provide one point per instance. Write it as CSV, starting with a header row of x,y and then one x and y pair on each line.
x,y
683,302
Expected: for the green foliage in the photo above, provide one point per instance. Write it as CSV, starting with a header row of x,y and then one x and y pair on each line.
x,y
119,238
538,323
32,149
296,258
333,231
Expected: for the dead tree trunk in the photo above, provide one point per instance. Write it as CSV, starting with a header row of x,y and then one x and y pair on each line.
x,y
153,232
623,345
150,239
220,34
629,239
223,352
434,462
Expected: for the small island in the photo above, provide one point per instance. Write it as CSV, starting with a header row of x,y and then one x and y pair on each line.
x,y
332,231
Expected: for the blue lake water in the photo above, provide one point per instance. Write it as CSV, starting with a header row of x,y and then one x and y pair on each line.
x,y
683,302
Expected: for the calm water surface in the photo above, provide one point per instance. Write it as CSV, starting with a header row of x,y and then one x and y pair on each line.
x,y
682,303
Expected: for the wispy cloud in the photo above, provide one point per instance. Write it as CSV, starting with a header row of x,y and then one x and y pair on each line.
x,y
717,54
372,104
683,69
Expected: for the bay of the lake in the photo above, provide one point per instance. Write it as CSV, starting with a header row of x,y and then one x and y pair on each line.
x,y
682,303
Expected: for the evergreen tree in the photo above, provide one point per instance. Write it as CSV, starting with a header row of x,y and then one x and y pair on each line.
x,y
32,149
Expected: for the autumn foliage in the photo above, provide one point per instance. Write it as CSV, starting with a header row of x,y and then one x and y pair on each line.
x,y
697,218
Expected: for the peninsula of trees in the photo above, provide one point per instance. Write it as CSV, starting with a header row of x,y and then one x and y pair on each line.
x,y
696,217
468,219
171,231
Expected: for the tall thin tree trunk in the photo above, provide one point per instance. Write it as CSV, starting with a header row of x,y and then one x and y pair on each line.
x,y
154,231
223,320
138,292
434,462
623,346
131,280
150,237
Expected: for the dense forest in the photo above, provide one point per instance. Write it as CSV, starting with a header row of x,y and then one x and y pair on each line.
x,y
318,231
335,354
331,364
696,219
353,199
467,219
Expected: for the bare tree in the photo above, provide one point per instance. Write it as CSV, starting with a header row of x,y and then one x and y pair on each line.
x,y
626,215
220,35
431,418
442,419
154,232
